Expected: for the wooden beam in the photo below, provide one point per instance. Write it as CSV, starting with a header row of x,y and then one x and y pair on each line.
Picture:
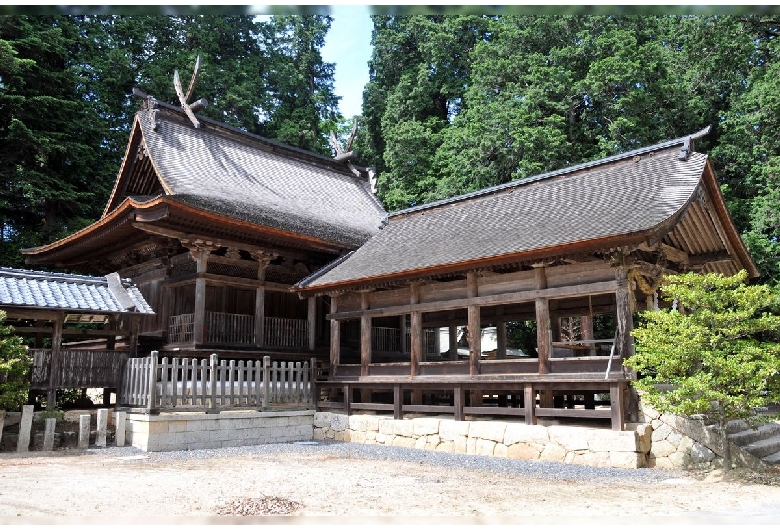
x,y
499,299
699,260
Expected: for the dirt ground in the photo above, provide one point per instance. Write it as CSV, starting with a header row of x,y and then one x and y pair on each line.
x,y
93,486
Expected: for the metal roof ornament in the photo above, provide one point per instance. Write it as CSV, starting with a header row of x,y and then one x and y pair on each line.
x,y
189,109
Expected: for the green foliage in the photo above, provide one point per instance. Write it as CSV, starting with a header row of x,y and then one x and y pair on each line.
x,y
14,368
461,102
719,354
56,414
66,105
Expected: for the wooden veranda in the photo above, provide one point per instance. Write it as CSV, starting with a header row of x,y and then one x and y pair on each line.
x,y
588,242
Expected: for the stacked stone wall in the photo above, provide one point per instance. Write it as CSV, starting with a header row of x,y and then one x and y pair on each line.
x,y
558,443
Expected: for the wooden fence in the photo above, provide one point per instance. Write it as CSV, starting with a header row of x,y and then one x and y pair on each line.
x,y
78,369
201,384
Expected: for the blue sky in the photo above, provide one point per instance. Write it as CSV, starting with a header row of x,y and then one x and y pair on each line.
x,y
348,45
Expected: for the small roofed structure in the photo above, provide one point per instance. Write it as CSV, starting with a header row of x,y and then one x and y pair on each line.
x,y
589,242
56,306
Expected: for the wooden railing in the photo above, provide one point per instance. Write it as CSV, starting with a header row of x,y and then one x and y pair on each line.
x,y
286,332
227,328
385,339
430,342
201,384
78,369
180,328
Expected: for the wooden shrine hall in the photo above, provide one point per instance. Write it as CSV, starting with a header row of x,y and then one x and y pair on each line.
x,y
214,225
585,244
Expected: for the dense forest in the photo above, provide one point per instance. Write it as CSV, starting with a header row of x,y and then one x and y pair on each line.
x,y
454,102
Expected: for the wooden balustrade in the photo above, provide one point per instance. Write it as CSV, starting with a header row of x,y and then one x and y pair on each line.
x,y
286,332
384,340
227,328
180,328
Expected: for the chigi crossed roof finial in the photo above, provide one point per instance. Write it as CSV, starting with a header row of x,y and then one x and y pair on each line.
x,y
190,109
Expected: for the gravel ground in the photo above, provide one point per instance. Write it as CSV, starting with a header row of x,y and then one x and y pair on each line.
x,y
315,481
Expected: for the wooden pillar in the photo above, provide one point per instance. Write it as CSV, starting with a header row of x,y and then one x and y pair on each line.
x,y
501,340
586,324
629,401
402,331
260,316
111,340
543,336
474,325
335,336
311,317
417,334
617,404
199,318
543,333
135,325
54,365
263,259
365,335
625,320
453,351
529,403
475,335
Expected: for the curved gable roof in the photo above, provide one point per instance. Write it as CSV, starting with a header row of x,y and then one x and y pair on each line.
x,y
232,173
614,201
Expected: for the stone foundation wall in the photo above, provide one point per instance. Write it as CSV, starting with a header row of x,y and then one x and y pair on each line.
x,y
683,443
188,431
575,445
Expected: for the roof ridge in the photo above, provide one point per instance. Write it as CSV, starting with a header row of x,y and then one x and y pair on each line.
x,y
256,137
52,276
550,174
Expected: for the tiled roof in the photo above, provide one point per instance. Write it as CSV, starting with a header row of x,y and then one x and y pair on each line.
x,y
70,292
247,177
619,196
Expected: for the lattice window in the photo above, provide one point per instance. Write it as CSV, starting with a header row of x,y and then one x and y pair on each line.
x,y
233,270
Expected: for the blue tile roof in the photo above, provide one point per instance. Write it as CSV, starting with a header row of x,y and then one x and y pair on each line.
x,y
35,289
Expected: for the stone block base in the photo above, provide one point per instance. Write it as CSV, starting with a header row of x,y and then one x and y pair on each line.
x,y
182,431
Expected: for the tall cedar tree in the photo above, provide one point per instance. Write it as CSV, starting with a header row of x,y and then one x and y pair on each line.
x,y
302,107
51,176
458,103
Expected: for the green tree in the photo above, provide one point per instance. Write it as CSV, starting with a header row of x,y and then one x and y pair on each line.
x,y
51,177
14,368
302,107
715,350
